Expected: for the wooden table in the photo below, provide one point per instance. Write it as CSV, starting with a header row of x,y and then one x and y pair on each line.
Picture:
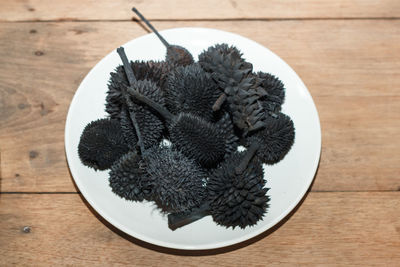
x,y
346,51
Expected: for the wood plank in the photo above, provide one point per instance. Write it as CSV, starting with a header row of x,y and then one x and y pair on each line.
x,y
207,9
351,68
328,228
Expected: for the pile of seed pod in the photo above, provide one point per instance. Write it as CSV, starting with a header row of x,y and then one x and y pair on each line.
x,y
205,110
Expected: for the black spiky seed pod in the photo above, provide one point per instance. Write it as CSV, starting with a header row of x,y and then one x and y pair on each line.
x,y
198,139
179,181
176,55
129,178
190,89
238,199
149,121
155,71
206,58
101,144
233,198
275,91
273,142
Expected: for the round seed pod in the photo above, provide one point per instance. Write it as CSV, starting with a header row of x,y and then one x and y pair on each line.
x,y
179,181
150,122
198,139
275,91
178,55
274,141
101,144
237,199
155,71
129,178
190,89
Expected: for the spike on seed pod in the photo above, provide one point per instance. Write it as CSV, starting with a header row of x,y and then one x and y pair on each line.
x,y
179,180
176,55
193,136
234,199
273,142
190,89
101,144
129,178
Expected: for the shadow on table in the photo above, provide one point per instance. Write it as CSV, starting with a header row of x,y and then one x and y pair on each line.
x,y
207,252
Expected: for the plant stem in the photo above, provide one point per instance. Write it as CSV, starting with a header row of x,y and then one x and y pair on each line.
x,y
132,79
177,220
218,103
167,45
144,99
251,151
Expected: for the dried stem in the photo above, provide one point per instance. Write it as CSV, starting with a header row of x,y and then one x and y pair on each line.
x,y
218,103
176,220
251,151
167,45
132,79
144,99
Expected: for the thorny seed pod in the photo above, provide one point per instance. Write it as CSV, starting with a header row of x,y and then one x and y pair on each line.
x,y
190,89
193,136
178,179
274,91
148,120
176,55
129,178
273,142
234,199
101,144
150,70
227,67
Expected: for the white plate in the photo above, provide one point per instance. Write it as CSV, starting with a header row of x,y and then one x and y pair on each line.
x,y
288,180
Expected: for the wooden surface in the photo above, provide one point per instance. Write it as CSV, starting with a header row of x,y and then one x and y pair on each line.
x,y
346,52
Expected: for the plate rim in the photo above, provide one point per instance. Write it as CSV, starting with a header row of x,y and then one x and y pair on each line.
x,y
214,245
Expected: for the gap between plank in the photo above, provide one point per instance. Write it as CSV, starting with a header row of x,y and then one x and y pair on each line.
x,y
205,19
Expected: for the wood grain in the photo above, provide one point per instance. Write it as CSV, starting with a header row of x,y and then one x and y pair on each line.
x,y
207,9
329,228
355,88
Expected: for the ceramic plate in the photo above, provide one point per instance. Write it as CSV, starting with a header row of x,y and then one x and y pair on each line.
x,y
288,180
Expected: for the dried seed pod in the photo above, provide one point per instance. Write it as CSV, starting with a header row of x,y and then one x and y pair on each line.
x,y
273,142
176,55
274,95
148,120
101,144
178,179
233,74
193,136
129,178
234,199
227,67
238,199
143,70
190,89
